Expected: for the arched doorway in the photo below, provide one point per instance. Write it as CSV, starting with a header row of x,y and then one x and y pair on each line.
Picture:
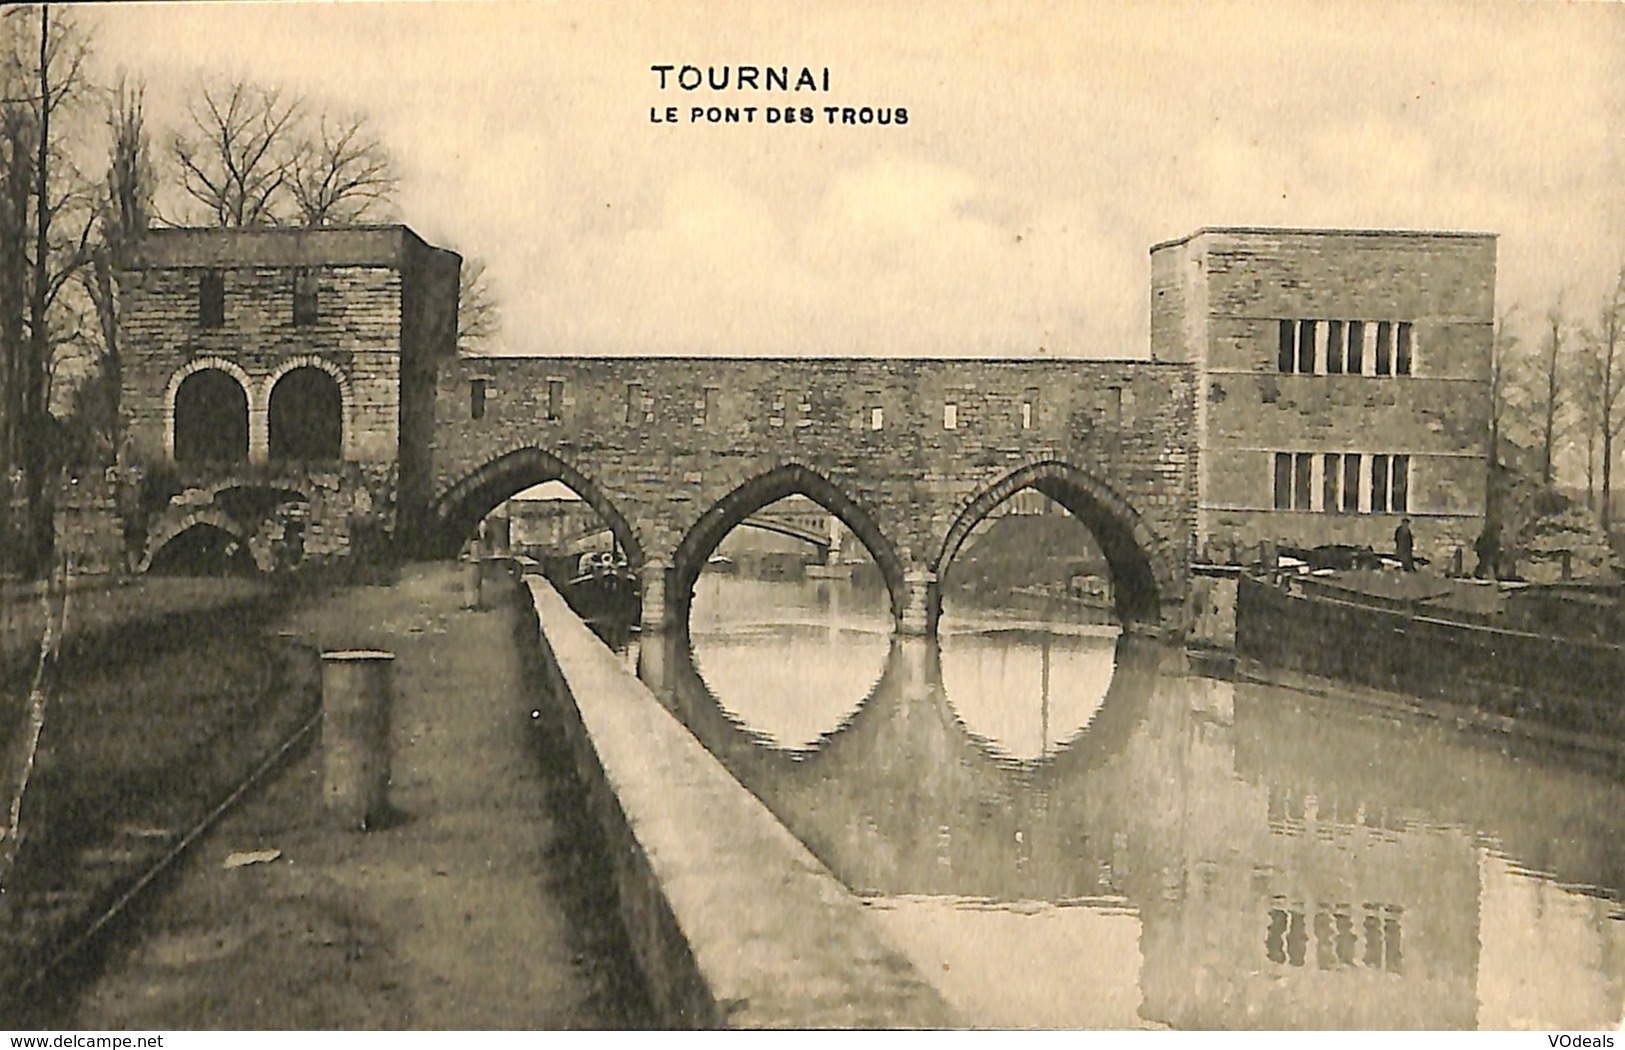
x,y
305,416
211,418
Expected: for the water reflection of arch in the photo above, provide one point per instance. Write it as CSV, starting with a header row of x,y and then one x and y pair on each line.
x,y
458,511
751,496
1139,579
902,784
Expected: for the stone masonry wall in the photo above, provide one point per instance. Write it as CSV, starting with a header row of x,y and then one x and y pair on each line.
x,y
1442,284
357,331
663,439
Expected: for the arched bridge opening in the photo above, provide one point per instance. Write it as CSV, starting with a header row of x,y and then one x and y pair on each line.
x,y
456,515
1137,584
205,545
733,510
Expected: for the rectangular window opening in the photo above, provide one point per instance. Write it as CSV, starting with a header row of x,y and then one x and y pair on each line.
x,y
1404,348
1114,405
476,399
1283,481
304,297
1029,409
1379,484
1331,496
555,398
1306,347
1385,349
1399,485
1286,355
634,402
950,416
1336,347
1351,482
211,299
877,418
1356,359
1302,474
708,407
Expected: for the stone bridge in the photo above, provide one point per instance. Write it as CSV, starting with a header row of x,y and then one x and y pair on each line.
x,y
909,454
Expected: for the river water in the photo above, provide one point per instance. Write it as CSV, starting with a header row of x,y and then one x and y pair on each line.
x,y
1065,827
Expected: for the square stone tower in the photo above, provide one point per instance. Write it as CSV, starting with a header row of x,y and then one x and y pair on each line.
x,y
270,372
1344,383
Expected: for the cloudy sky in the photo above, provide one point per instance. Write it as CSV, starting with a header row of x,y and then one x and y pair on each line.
x,y
1048,145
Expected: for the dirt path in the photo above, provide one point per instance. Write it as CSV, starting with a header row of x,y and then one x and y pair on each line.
x,y
486,907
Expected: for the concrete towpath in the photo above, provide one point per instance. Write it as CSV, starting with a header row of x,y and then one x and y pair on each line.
x,y
489,906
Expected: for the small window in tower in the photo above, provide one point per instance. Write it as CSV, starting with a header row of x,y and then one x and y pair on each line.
x,y
1379,483
1336,347
476,398
1356,359
304,297
950,416
1283,481
877,417
634,402
1306,347
1404,348
1351,482
555,398
211,299
1029,409
1331,486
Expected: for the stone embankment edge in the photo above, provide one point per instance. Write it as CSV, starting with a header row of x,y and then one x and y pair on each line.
x,y
733,922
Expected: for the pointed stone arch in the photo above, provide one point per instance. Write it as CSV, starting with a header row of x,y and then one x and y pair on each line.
x,y
790,479
1140,579
458,510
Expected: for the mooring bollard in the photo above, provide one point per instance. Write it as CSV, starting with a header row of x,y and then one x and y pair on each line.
x,y
494,570
355,735
472,575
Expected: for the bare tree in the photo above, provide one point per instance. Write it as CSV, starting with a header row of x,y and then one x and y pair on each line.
x,y
479,315
340,173
1554,394
124,212
46,223
234,157
1601,390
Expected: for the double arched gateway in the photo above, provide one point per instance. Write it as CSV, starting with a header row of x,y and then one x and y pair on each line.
x,y
298,411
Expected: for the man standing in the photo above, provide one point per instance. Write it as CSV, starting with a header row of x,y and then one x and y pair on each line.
x,y
1404,545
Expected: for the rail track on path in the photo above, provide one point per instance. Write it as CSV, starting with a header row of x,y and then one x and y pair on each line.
x,y
146,749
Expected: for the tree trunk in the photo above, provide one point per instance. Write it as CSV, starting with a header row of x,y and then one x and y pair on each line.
x,y
36,413
16,127
1549,435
